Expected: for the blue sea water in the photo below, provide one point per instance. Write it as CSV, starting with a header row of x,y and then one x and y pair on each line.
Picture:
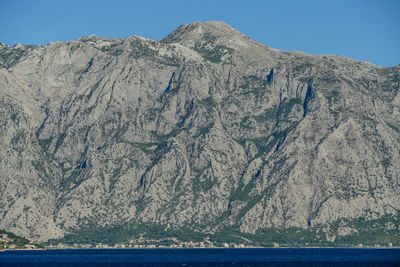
x,y
204,257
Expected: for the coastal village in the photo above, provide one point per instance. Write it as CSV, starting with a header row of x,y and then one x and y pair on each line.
x,y
154,243
10,241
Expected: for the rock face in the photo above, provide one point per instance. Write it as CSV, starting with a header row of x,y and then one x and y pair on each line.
x,y
202,129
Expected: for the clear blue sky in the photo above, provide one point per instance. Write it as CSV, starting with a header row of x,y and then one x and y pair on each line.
x,y
360,29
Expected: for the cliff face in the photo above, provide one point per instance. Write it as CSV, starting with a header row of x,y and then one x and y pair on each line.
x,y
202,129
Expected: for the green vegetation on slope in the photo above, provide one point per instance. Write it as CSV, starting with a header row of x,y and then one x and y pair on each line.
x,y
10,240
382,232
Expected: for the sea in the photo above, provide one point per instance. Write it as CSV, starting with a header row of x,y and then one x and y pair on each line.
x,y
204,257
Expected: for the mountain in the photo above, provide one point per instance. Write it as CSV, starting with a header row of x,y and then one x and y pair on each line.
x,y
203,131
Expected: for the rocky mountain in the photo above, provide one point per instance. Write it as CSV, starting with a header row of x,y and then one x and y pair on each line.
x,y
203,130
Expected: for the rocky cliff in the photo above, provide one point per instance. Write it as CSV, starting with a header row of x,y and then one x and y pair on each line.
x,y
202,130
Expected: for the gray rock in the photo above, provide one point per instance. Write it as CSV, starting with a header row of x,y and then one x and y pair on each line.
x,y
205,128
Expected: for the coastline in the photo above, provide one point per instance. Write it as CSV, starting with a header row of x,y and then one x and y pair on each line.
x,y
199,248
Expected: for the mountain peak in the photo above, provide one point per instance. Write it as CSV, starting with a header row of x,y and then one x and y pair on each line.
x,y
219,24
189,33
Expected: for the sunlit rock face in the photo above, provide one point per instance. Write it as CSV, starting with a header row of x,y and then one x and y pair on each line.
x,y
203,129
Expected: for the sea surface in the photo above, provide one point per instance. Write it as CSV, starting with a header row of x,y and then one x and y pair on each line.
x,y
204,257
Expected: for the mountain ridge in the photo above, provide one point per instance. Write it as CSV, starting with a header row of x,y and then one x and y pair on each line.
x,y
192,26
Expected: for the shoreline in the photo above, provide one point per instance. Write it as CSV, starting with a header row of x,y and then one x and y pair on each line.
x,y
200,248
